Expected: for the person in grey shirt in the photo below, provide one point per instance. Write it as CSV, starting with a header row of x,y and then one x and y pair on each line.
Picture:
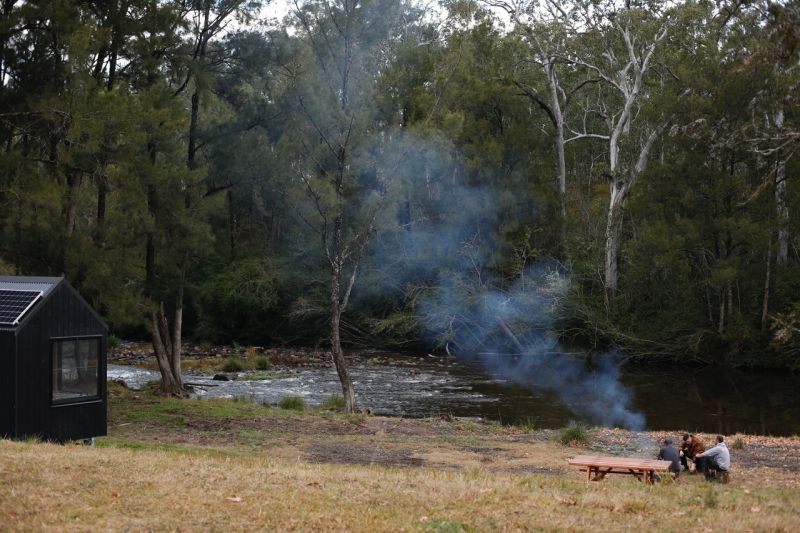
x,y
716,458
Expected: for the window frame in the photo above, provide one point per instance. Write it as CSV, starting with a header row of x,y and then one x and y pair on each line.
x,y
77,399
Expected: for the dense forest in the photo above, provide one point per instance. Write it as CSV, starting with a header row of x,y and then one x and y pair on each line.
x,y
462,176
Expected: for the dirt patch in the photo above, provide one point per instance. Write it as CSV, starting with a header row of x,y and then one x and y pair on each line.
x,y
434,443
361,455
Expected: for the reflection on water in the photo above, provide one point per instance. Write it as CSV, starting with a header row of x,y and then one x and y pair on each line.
x,y
717,400
672,398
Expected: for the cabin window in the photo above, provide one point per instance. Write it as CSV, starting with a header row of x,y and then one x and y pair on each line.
x,y
75,368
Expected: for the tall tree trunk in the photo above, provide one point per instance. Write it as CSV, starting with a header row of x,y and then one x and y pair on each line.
x,y
782,205
618,192
150,250
192,152
177,329
73,187
562,188
558,121
765,301
195,105
168,384
167,355
781,201
232,224
336,342
614,235
102,192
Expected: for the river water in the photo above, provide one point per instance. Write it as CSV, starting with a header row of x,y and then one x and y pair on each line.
x,y
670,398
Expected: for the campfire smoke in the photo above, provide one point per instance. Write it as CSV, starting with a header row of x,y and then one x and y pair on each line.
x,y
446,252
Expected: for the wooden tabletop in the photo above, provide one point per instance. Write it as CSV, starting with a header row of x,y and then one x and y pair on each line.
x,y
635,463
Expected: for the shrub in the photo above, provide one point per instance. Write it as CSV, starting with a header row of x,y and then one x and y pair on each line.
x,y
294,403
232,364
113,342
575,433
335,402
527,425
263,362
737,444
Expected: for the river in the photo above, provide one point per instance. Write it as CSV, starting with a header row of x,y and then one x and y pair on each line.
x,y
670,397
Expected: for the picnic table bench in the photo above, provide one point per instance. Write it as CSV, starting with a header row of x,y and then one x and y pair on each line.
x,y
597,466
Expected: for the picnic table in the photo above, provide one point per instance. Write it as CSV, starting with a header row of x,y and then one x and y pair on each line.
x,y
597,466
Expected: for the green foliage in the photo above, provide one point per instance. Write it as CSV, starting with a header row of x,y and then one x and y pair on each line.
x,y
576,433
527,425
263,362
292,403
239,300
334,402
113,342
232,364
448,142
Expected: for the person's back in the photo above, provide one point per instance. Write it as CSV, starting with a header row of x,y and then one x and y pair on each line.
x,y
715,459
720,455
669,453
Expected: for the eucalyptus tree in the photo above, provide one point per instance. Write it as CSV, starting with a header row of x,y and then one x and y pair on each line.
x,y
347,45
620,43
547,28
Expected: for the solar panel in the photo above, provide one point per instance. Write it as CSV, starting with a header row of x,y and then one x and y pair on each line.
x,y
14,304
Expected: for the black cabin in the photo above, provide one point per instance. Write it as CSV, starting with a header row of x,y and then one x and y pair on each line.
x,y
52,361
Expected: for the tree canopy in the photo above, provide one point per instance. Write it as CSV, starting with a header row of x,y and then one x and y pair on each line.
x,y
367,173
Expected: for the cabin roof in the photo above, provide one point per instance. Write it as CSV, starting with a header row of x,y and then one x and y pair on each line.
x,y
19,296
28,283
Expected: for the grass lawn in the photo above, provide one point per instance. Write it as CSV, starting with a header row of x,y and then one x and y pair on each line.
x,y
190,465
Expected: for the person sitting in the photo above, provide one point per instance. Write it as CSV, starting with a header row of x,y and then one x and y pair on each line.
x,y
716,459
669,453
692,445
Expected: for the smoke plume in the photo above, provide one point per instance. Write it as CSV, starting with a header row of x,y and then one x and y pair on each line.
x,y
445,256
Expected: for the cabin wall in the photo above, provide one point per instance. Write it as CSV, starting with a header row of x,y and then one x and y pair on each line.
x,y
62,314
7,341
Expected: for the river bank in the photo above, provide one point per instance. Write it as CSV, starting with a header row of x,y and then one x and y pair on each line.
x,y
420,385
445,442
233,465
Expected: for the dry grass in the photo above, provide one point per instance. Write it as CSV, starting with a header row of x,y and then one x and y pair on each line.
x,y
182,465
54,488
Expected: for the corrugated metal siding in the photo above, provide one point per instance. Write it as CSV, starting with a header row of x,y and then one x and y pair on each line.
x,y
6,384
63,314
15,283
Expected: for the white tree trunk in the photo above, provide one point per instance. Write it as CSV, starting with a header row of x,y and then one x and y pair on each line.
x,y
616,202
619,189
781,202
558,119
